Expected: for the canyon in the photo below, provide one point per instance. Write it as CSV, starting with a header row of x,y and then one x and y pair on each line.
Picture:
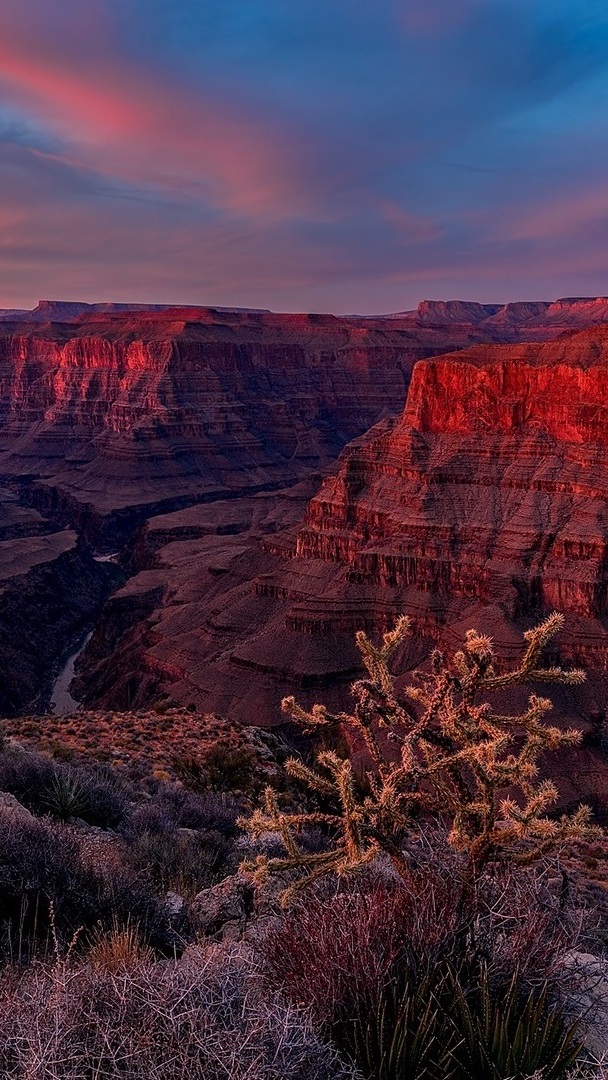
x,y
106,419
483,504
112,414
271,483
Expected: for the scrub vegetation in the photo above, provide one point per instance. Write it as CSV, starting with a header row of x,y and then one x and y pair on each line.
x,y
400,901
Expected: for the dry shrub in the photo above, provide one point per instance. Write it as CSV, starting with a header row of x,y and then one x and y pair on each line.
x,y
337,954
587,1069
204,1017
45,865
171,807
182,863
120,947
180,841
521,929
220,767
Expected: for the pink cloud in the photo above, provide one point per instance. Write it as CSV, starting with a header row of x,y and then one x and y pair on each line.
x,y
412,227
120,119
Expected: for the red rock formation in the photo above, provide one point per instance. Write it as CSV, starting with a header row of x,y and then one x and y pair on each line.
x,y
110,417
112,413
484,504
522,321
492,486
444,312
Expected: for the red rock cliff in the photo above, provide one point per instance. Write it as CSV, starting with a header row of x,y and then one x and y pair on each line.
x,y
492,485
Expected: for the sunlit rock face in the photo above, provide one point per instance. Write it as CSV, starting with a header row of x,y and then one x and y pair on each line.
x,y
492,485
110,413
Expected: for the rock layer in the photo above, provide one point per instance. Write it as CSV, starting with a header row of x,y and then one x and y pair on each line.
x,y
520,321
110,414
492,486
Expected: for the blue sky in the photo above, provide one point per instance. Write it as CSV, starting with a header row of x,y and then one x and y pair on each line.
x,y
340,155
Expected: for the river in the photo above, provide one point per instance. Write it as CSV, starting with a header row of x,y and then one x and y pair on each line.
x,y
61,700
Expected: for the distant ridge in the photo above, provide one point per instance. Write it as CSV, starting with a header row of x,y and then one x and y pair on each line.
x,y
522,320
66,310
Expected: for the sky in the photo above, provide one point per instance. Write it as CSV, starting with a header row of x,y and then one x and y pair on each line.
x,y
318,155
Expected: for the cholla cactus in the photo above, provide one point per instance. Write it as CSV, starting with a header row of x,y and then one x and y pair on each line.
x,y
436,749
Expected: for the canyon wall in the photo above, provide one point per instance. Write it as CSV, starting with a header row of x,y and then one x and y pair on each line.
x,y
491,487
108,418
111,414
484,504
51,590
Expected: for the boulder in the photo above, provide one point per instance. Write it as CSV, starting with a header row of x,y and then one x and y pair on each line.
x,y
584,991
10,805
223,910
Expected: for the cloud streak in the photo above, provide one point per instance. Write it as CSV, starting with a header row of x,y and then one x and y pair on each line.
x,y
132,124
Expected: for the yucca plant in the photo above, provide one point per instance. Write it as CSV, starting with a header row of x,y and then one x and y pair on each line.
x,y
407,1037
442,1028
66,797
506,1035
